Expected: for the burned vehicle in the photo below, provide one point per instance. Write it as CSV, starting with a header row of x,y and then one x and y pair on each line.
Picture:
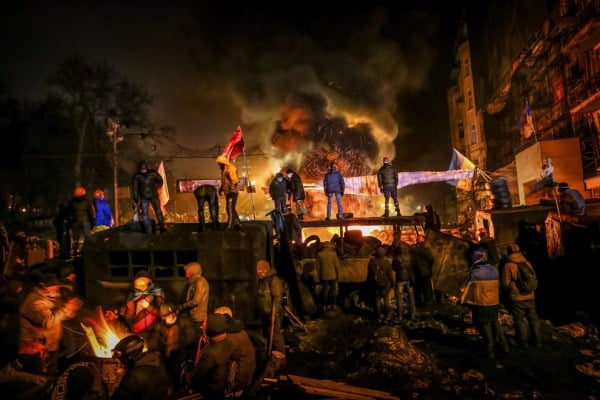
x,y
113,257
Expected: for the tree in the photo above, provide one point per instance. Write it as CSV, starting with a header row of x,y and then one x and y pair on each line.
x,y
90,94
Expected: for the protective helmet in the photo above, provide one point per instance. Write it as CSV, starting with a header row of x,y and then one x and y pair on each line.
x,y
263,266
98,194
141,281
479,254
79,191
129,349
224,311
386,160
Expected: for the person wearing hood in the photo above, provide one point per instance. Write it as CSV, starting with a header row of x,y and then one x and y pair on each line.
x,y
387,180
229,188
42,314
196,298
145,186
296,192
334,185
270,306
481,293
104,216
522,304
328,266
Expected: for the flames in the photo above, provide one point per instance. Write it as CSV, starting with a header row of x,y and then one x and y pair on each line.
x,y
102,337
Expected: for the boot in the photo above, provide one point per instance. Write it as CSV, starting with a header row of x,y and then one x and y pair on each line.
x,y
386,213
397,205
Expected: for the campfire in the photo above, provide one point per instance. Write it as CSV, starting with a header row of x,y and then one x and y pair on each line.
x,y
102,337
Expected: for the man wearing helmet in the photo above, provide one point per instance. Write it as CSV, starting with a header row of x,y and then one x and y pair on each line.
x,y
81,215
387,179
146,377
146,183
481,293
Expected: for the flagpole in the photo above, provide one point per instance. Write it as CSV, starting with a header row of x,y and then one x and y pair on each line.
x,y
249,187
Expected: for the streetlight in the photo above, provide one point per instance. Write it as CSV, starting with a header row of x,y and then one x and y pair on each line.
x,y
113,134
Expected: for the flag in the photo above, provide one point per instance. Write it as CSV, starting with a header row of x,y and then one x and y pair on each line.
x,y
235,146
525,124
460,162
163,191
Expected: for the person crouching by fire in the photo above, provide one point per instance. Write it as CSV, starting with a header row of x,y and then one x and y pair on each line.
x,y
42,314
143,309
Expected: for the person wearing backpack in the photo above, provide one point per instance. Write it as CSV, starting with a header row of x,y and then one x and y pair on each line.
x,y
518,278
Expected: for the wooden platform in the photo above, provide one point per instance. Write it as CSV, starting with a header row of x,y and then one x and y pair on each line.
x,y
418,219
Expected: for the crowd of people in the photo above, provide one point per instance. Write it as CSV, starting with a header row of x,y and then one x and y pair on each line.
x,y
167,349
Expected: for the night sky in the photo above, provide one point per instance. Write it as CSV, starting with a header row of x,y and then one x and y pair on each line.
x,y
211,66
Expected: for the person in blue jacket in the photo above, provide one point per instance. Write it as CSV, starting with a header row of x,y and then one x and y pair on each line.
x,y
104,216
334,185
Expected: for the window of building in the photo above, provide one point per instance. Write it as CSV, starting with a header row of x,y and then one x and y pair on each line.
x,y
467,67
461,131
473,134
470,99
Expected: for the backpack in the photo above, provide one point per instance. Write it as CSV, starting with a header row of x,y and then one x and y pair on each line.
x,y
379,275
526,278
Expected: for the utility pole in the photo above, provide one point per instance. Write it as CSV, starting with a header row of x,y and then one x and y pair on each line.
x,y
113,134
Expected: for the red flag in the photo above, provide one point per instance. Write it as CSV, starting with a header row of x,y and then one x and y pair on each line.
x,y
235,146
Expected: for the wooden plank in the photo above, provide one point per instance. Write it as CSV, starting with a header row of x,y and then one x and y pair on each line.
x,y
340,389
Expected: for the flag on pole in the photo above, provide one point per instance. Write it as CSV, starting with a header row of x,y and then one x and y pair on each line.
x,y
525,124
163,191
235,146
460,162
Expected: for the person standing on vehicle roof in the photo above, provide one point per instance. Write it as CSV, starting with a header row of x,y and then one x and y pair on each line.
x,y
145,185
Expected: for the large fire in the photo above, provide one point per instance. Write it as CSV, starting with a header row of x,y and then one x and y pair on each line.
x,y
101,335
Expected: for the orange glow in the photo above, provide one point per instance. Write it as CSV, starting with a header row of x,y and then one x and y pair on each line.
x,y
101,336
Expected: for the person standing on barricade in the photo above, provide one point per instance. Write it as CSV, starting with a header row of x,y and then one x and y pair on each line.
x,y
146,183
297,193
387,179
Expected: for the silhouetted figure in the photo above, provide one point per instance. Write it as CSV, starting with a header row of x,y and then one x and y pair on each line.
x,y
297,193
145,185
387,179
207,194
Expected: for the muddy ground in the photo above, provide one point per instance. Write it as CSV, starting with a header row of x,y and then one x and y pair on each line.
x,y
438,355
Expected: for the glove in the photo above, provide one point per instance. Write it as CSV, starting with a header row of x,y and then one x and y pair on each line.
x,y
342,193
179,309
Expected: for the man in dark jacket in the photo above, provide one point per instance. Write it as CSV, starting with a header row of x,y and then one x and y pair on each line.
x,y
423,268
146,183
278,190
380,279
297,192
146,377
207,194
334,185
81,215
571,200
387,179
212,375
